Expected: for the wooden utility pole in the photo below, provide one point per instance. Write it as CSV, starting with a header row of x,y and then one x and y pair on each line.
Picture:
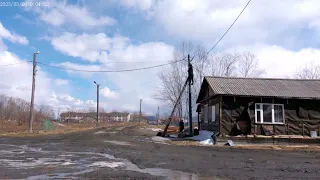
x,y
158,116
140,114
98,85
190,107
33,90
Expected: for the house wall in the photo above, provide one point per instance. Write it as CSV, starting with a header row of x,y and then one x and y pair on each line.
x,y
300,116
206,117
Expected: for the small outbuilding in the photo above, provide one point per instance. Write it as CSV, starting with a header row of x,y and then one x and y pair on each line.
x,y
261,106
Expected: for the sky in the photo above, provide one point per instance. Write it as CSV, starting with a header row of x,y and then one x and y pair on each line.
x,y
128,34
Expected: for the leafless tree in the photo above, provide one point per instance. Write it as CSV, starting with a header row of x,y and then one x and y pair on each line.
x,y
248,66
17,109
224,64
173,78
309,71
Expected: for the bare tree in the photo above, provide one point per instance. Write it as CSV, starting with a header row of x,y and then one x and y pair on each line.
x,y
249,66
224,64
309,71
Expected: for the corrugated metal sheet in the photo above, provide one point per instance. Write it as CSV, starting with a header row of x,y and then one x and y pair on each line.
x,y
291,88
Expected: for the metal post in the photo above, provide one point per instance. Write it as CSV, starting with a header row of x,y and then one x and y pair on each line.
x,y
98,86
190,107
31,116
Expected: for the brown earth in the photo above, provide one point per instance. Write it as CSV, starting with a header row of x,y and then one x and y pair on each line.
x,y
131,153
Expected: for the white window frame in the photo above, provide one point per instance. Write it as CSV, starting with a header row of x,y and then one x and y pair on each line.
x,y
272,111
213,113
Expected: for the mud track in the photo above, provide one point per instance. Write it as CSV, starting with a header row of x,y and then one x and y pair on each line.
x,y
131,153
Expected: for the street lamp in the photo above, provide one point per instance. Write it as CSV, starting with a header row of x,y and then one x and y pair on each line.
x,y
33,89
98,85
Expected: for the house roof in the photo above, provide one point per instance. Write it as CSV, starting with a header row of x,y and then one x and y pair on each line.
x,y
264,87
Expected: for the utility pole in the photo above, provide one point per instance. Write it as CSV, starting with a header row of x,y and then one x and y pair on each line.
x,y
33,89
140,114
190,76
98,85
158,116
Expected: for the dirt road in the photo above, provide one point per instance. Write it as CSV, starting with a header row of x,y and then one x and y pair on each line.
x,y
130,153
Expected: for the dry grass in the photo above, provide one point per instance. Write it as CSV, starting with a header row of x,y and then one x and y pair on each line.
x,y
12,129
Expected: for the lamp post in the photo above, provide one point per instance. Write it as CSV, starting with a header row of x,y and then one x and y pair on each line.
x,y
98,85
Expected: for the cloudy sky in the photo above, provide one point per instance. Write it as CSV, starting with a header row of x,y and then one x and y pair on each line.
x,y
126,34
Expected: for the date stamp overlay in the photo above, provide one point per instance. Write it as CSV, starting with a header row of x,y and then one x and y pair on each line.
x,y
24,4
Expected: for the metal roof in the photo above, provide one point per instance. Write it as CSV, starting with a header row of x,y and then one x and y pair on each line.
x,y
289,88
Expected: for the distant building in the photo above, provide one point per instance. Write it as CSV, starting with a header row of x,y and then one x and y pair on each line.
x,y
115,116
78,117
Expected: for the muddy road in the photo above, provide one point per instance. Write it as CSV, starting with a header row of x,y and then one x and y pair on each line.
x,y
132,153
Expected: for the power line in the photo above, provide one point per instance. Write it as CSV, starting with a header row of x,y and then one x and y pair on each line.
x,y
15,64
123,70
228,29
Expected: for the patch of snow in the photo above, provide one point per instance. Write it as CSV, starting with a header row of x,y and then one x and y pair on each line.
x,y
65,155
100,132
204,137
206,142
159,139
67,163
108,164
173,135
154,129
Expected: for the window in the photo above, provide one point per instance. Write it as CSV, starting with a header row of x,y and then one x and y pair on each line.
x,y
269,113
213,114
206,113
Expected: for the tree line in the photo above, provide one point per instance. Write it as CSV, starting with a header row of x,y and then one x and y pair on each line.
x,y
17,109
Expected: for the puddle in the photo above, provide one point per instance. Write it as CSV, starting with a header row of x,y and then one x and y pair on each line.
x,y
82,164
59,175
171,174
123,143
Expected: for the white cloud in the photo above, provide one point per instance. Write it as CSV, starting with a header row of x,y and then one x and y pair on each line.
x,y
139,4
15,38
48,90
207,20
85,46
280,62
60,13
108,50
117,53
107,93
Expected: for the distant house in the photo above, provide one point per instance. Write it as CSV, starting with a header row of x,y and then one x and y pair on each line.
x,y
91,116
233,106
73,117
115,116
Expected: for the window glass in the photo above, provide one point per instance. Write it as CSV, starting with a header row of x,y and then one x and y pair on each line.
x,y
267,113
259,116
213,115
278,113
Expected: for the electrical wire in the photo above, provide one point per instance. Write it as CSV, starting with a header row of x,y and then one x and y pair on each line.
x,y
215,45
15,64
123,70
